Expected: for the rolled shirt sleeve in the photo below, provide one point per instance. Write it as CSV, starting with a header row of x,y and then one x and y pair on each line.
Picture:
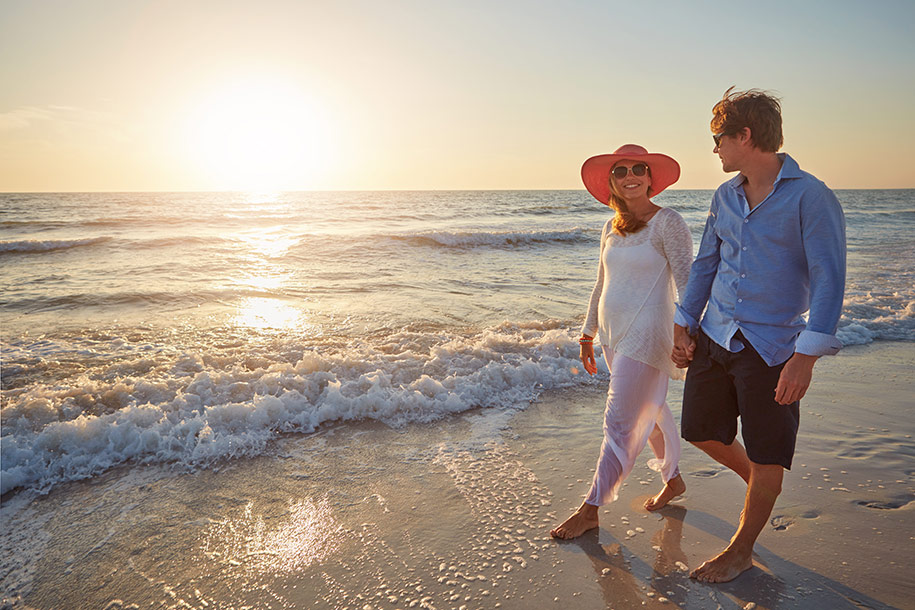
x,y
817,344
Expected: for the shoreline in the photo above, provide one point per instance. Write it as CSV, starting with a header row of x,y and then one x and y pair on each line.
x,y
457,513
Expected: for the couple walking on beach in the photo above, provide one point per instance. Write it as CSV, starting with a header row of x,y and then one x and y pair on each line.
x,y
773,248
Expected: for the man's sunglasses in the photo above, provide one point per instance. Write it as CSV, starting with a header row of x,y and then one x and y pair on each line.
x,y
717,137
621,171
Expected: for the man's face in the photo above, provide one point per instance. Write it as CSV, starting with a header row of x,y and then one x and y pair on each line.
x,y
727,148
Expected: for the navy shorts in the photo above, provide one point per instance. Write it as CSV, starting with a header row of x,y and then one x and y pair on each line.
x,y
722,386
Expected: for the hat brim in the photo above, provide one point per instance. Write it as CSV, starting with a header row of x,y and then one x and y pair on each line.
x,y
595,172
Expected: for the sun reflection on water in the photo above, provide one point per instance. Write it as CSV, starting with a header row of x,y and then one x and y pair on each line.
x,y
266,313
265,282
268,243
305,535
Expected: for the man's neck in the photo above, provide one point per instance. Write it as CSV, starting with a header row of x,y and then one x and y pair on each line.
x,y
759,174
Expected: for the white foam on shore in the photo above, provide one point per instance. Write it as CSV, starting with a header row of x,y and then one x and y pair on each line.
x,y
868,317
195,409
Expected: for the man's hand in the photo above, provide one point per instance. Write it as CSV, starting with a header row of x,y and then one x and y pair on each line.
x,y
587,357
795,378
684,347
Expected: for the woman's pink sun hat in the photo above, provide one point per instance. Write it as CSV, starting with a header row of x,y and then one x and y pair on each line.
x,y
595,172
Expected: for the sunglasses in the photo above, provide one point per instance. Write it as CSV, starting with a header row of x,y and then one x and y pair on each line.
x,y
621,171
717,137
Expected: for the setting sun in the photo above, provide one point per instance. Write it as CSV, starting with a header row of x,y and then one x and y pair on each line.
x,y
258,134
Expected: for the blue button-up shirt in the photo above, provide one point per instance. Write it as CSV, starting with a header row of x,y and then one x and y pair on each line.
x,y
760,270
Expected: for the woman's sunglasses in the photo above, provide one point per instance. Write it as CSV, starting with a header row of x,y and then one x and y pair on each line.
x,y
621,171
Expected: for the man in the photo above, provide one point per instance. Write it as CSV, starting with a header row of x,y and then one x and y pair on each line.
x,y
773,248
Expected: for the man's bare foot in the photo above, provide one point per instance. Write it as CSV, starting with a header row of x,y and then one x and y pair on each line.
x,y
726,566
584,519
672,489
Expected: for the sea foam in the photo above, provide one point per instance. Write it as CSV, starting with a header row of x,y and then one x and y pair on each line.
x,y
868,317
190,411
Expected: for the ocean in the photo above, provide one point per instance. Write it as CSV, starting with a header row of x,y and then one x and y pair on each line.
x,y
187,329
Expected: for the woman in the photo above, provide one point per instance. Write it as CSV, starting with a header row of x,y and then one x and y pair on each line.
x,y
645,252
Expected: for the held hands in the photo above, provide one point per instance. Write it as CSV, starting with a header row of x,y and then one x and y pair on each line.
x,y
587,356
684,347
794,378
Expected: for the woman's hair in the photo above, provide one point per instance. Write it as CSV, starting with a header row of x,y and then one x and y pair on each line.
x,y
758,110
624,222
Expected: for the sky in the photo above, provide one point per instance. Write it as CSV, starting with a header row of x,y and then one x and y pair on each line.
x,y
189,95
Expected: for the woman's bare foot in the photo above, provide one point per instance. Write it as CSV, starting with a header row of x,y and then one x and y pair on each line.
x,y
584,519
726,566
672,489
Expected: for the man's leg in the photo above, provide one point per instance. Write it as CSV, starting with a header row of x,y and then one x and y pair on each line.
x,y
769,433
734,456
764,486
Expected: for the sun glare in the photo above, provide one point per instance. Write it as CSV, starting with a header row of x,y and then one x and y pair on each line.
x,y
259,135
266,313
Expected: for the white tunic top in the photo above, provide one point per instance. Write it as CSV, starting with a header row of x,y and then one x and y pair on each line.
x,y
632,304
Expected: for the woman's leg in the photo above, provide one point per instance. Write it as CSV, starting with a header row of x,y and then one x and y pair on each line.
x,y
665,444
631,413
634,401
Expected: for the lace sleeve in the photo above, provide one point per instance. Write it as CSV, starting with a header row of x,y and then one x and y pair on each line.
x,y
677,248
590,326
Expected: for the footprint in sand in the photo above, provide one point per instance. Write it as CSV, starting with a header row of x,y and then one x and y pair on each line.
x,y
897,502
708,473
782,522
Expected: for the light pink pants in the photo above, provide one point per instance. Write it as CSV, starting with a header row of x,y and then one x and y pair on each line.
x,y
636,414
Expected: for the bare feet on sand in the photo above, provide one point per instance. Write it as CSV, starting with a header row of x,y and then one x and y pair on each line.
x,y
584,519
672,489
726,566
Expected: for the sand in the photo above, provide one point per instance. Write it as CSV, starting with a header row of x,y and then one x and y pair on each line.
x,y
456,514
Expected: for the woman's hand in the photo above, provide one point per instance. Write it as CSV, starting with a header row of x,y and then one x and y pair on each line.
x,y
684,347
587,357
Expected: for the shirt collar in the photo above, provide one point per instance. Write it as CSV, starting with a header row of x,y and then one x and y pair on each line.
x,y
790,169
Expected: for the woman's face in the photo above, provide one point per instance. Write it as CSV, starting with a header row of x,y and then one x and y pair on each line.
x,y
626,181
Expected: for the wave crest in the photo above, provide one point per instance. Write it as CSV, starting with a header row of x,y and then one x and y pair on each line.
x,y
195,409
25,246
468,239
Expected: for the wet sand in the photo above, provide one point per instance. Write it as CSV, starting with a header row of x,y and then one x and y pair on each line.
x,y
457,514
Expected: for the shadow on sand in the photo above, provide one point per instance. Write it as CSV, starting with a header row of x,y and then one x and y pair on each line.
x,y
627,581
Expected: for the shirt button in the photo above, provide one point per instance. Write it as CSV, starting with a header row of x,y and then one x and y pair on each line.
x,y
746,220
744,248
740,300
743,275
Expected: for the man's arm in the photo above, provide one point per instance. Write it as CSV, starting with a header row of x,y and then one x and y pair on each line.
x,y
823,232
697,292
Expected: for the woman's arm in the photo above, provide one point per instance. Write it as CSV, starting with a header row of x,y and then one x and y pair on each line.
x,y
677,244
589,328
